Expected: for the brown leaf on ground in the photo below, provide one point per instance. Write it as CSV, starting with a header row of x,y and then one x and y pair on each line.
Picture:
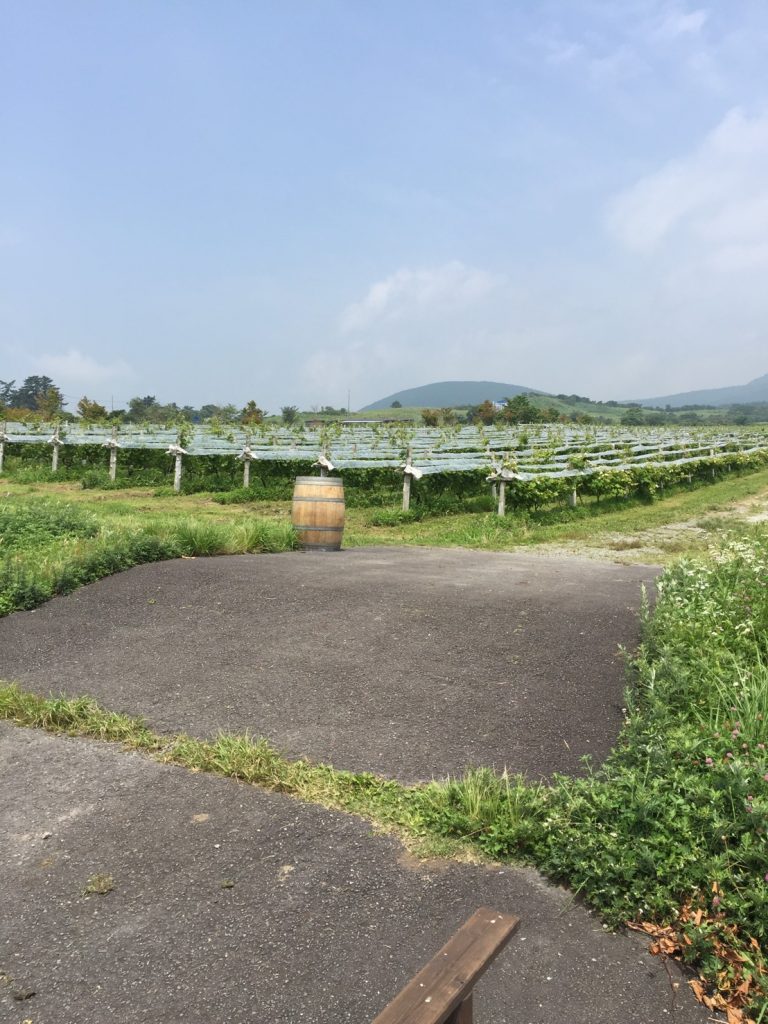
x,y
743,976
698,989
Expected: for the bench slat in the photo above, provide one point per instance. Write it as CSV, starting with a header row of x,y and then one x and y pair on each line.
x,y
447,980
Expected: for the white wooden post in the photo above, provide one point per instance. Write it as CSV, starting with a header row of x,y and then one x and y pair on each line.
x,y
56,442
178,451
572,498
498,480
410,473
247,457
113,445
407,481
3,439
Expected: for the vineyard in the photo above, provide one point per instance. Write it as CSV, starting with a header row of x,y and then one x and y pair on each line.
x,y
527,466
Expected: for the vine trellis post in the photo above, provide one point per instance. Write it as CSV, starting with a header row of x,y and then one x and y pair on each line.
x,y
410,473
113,444
325,464
57,443
247,456
3,438
179,452
499,476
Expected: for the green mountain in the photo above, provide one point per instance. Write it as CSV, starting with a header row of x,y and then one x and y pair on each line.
x,y
738,394
453,394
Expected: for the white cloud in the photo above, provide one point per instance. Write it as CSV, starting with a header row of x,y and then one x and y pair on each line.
x,y
410,293
680,23
715,197
562,51
740,258
73,367
745,218
623,44
620,64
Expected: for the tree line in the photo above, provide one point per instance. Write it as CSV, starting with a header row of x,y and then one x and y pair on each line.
x,y
39,397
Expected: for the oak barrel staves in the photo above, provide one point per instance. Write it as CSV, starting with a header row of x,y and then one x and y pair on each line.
x,y
318,512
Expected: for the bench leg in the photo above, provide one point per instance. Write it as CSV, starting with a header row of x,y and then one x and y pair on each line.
x,y
462,1014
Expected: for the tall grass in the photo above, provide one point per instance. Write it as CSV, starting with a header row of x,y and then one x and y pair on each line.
x,y
49,549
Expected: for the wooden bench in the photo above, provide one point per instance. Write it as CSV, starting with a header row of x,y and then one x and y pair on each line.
x,y
441,993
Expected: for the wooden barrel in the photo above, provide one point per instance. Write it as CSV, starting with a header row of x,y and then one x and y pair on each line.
x,y
318,512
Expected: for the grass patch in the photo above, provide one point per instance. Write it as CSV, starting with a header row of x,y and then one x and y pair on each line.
x,y
590,524
51,548
36,524
448,522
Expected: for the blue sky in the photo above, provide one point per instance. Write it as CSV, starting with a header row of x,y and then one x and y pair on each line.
x,y
218,201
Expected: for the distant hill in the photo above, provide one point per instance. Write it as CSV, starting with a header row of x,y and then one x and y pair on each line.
x,y
755,391
453,394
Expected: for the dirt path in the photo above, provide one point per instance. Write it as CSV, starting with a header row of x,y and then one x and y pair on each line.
x,y
658,544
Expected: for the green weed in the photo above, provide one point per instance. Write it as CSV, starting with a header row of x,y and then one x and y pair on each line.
x,y
99,885
37,522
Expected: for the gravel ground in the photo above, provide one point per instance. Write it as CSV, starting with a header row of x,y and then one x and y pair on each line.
x,y
410,662
234,905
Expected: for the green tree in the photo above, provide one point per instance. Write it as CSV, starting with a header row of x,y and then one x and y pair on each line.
x,y
289,413
33,390
145,408
7,393
634,418
520,410
486,412
50,403
252,413
90,411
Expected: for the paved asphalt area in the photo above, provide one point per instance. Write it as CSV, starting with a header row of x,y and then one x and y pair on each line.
x,y
234,905
410,662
